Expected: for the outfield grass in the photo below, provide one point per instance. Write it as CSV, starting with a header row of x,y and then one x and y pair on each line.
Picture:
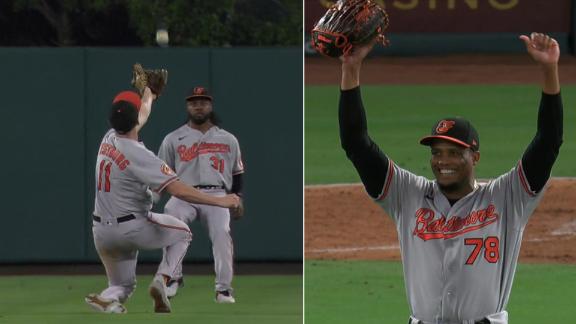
x,y
373,292
60,299
399,115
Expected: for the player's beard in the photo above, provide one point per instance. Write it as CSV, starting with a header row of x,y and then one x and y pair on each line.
x,y
200,119
456,188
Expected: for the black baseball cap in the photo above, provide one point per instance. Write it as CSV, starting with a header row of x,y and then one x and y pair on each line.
x,y
199,93
456,130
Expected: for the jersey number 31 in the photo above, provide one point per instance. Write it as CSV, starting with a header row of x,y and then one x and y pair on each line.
x,y
217,164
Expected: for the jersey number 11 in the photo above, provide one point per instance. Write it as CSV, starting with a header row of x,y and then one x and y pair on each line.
x,y
104,172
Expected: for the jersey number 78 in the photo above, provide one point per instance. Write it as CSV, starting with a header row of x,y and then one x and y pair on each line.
x,y
491,247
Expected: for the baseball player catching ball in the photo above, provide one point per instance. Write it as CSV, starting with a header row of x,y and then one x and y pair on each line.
x,y
207,157
459,239
126,173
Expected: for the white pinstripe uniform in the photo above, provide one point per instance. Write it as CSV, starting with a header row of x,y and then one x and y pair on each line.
x,y
126,172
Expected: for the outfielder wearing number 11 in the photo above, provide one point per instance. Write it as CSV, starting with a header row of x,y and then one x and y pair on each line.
x,y
126,175
459,239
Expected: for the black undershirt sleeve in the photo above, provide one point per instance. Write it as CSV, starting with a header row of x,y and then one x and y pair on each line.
x,y
370,162
237,184
541,153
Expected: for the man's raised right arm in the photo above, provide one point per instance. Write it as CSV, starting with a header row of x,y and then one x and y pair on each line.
x,y
370,162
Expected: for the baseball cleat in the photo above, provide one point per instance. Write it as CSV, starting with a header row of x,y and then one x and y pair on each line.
x,y
225,297
157,291
172,287
104,305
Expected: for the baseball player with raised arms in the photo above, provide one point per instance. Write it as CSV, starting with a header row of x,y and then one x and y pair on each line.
x,y
207,157
459,239
126,175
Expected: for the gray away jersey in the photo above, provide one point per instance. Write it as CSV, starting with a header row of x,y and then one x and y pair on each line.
x,y
459,261
126,171
210,158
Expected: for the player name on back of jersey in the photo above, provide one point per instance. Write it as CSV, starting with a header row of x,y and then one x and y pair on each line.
x,y
428,228
189,153
114,154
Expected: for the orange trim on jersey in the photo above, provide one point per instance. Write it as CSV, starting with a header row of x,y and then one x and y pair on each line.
x,y
169,226
388,180
169,181
523,180
179,261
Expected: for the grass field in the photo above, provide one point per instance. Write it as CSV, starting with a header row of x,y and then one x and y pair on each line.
x,y
399,115
60,299
373,292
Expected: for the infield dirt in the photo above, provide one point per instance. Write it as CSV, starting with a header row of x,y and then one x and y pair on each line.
x,y
342,222
456,69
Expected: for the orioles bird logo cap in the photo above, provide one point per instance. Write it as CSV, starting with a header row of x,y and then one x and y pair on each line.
x,y
199,93
456,130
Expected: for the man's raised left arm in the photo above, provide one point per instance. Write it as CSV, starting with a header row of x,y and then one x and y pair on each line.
x,y
542,152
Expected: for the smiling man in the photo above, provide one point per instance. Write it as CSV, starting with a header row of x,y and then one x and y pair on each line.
x,y
459,239
454,144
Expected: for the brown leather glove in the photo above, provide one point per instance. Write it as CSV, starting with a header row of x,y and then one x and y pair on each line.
x,y
237,213
154,79
346,24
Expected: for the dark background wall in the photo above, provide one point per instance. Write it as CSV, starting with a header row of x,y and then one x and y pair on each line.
x,y
53,115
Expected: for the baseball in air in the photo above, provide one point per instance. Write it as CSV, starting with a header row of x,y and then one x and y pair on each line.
x,y
162,38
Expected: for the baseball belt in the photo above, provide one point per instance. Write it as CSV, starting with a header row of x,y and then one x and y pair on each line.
x,y
482,321
208,187
121,219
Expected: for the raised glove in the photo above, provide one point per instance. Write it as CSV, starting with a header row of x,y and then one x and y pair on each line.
x,y
154,79
346,24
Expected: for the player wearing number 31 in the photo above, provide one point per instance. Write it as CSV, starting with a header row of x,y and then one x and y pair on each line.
x,y
126,175
207,157
459,239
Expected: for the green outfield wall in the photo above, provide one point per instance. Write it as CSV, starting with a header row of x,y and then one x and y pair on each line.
x,y
53,116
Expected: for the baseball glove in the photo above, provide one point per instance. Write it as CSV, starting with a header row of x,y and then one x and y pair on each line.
x,y
346,24
237,213
154,79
